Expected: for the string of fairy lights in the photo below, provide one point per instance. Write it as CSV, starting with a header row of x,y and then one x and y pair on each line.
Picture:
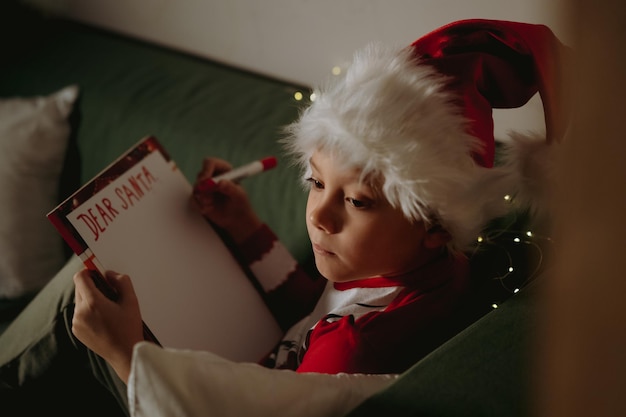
x,y
301,95
500,238
526,238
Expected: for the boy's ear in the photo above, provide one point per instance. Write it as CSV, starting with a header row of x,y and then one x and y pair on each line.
x,y
436,237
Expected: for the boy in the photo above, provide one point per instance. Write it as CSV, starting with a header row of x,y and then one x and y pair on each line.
x,y
398,157
399,185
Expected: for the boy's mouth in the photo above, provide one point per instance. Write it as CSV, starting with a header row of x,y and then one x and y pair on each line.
x,y
320,250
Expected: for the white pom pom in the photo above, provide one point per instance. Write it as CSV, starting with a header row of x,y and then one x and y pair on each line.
x,y
531,162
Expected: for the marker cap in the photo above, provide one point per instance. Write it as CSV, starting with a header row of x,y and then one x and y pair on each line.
x,y
269,162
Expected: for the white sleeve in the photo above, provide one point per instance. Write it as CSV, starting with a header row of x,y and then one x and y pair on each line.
x,y
168,382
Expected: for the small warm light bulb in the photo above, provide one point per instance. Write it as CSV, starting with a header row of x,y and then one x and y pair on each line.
x,y
510,269
312,97
529,233
480,239
517,240
515,291
494,305
298,95
336,70
507,197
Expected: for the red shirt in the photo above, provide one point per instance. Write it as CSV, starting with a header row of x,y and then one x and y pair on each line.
x,y
374,325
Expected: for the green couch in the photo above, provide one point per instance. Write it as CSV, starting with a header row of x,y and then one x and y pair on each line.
x,y
196,107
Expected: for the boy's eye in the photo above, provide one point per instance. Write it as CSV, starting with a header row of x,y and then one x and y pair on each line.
x,y
357,203
314,183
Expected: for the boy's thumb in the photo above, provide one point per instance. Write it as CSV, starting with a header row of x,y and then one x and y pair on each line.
x,y
121,283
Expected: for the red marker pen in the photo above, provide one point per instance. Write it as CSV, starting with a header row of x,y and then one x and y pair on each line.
x,y
238,174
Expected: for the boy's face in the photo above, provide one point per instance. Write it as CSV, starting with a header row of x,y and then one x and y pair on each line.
x,y
354,231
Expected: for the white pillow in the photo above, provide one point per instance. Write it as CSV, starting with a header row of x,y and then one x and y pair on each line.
x,y
34,135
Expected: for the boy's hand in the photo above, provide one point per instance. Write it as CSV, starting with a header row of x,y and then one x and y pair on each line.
x,y
109,328
226,204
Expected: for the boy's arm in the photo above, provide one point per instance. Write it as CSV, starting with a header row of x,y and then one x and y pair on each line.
x,y
165,382
289,292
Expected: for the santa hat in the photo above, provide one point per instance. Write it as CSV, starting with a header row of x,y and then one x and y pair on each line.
x,y
421,116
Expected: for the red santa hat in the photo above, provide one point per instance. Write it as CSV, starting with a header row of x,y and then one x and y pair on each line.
x,y
420,117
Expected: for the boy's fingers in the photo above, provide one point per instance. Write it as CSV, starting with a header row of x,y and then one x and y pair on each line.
x,y
83,282
85,289
121,282
213,166
78,297
116,279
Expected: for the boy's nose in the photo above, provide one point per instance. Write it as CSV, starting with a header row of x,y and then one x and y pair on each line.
x,y
322,216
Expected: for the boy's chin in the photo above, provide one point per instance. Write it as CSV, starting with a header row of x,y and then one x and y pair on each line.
x,y
334,276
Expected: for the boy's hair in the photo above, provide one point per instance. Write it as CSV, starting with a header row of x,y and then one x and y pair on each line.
x,y
419,117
